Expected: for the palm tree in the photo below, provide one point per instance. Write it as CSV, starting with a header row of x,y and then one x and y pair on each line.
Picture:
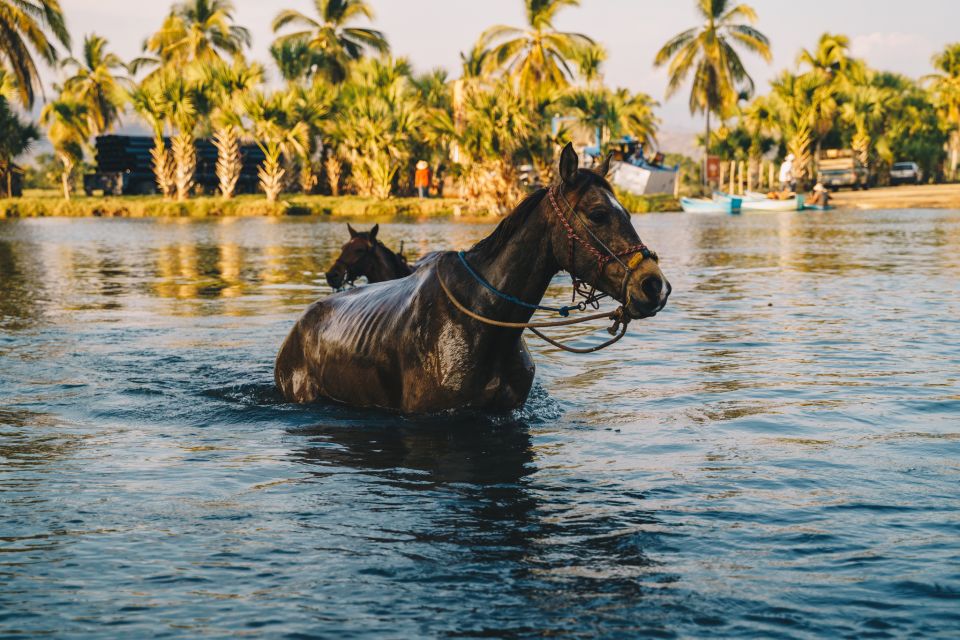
x,y
497,127
865,111
276,135
613,114
24,28
379,117
945,87
836,74
68,123
832,59
229,85
294,59
795,97
187,100
16,137
311,106
94,83
197,30
149,102
590,63
538,56
708,51
328,36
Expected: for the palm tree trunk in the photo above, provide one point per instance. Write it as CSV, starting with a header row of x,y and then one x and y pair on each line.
x,y
308,179
185,161
334,170
229,162
65,176
162,167
271,175
706,151
954,154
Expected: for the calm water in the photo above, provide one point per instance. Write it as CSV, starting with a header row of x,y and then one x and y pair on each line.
x,y
777,454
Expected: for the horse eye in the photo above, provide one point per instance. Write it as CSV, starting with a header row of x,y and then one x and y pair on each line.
x,y
598,215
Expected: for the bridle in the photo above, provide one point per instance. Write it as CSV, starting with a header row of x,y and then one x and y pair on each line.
x,y
636,253
603,258
349,276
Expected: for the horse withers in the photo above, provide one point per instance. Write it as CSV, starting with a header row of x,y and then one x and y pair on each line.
x,y
365,256
403,345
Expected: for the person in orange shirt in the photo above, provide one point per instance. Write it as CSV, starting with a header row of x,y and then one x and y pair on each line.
x,y
421,179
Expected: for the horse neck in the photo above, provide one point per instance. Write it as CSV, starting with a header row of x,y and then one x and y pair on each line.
x,y
522,267
387,266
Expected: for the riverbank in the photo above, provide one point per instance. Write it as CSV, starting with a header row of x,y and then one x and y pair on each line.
x,y
928,196
46,204
32,206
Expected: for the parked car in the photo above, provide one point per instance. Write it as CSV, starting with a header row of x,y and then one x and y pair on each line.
x,y
842,168
906,173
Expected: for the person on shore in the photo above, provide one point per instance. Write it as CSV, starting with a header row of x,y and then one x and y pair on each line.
x,y
788,183
421,179
821,196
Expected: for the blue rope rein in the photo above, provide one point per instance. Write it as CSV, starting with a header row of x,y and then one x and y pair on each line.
x,y
563,311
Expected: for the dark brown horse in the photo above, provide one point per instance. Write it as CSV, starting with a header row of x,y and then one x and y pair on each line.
x,y
403,345
364,255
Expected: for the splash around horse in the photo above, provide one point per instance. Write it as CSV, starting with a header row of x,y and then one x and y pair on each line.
x,y
407,345
365,256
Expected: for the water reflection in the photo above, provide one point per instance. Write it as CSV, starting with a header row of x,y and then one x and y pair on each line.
x,y
774,455
469,451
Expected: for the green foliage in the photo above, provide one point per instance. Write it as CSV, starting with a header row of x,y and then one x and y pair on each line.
x,y
708,53
42,173
28,27
95,84
538,56
838,101
155,206
326,43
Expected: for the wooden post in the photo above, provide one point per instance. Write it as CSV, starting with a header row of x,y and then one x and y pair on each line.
x,y
740,184
733,177
723,174
772,188
676,185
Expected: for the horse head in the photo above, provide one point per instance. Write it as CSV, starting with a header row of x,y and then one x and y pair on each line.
x,y
356,257
593,239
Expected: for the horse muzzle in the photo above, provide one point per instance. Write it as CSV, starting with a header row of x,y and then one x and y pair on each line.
x,y
649,298
335,278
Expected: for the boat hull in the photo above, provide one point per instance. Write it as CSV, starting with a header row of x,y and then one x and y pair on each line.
x,y
761,203
730,206
643,181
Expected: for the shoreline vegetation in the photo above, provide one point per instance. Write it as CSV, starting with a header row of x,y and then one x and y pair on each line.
x,y
364,130
47,204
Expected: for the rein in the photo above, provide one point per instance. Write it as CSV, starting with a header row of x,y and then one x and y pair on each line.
x,y
620,322
620,319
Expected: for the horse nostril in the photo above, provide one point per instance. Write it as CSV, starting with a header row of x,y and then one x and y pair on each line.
x,y
651,288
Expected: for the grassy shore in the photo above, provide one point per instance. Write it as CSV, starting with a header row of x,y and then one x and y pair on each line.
x,y
37,204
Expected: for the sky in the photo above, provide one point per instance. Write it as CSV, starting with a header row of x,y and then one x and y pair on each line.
x,y
895,35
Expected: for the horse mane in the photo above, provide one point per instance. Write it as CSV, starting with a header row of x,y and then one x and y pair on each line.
x,y
396,261
495,242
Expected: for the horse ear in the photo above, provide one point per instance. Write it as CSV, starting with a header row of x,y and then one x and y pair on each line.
x,y
604,167
373,232
353,232
569,163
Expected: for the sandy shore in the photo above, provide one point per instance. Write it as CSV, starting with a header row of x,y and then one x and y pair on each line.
x,y
935,196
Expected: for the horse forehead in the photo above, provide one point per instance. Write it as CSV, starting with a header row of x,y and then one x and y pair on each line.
x,y
611,199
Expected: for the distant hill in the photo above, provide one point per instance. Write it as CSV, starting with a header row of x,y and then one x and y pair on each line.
x,y
679,141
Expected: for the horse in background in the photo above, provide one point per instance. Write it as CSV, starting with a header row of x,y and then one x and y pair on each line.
x,y
364,255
